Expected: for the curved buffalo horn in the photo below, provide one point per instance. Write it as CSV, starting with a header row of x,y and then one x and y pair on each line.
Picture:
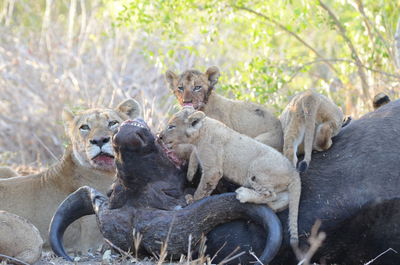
x,y
155,225
200,217
75,206
271,223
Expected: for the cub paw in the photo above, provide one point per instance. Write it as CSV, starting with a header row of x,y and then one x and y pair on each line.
x,y
241,194
189,198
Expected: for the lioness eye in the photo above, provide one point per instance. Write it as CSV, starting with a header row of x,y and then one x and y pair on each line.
x,y
196,88
84,127
171,127
112,123
180,88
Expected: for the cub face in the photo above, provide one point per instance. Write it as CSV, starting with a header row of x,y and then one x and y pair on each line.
x,y
192,87
182,128
91,132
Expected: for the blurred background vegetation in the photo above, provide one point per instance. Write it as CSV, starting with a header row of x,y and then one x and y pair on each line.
x,y
85,53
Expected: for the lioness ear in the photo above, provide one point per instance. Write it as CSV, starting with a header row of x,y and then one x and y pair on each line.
x,y
195,122
67,117
130,107
212,74
170,77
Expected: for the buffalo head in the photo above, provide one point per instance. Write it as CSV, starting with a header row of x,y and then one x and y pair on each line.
x,y
148,197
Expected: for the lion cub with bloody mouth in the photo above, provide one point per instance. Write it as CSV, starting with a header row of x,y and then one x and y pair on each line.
x,y
194,88
265,174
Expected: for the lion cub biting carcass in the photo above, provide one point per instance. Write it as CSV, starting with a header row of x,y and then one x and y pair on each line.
x,y
194,88
309,122
266,176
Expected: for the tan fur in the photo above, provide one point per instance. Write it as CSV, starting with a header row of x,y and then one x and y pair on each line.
x,y
36,197
19,238
265,174
309,122
7,172
195,88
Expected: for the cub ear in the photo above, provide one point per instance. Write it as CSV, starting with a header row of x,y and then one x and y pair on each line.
x,y
196,118
212,74
170,77
130,107
195,122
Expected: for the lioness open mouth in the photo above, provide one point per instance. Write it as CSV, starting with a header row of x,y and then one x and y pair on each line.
x,y
104,159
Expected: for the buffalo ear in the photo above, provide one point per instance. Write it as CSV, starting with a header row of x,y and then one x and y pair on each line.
x,y
212,74
67,117
170,77
130,107
195,121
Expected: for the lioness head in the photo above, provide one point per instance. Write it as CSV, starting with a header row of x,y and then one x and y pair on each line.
x,y
91,131
182,128
192,87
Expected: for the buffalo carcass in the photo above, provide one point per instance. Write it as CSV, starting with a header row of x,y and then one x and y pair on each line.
x,y
354,188
148,197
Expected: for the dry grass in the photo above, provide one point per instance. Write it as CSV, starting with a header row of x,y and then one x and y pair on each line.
x,y
38,80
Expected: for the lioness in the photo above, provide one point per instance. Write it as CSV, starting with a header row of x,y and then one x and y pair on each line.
x,y
309,122
88,161
194,88
7,172
19,238
263,172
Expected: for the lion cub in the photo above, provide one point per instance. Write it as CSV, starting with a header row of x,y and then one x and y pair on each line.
x,y
265,175
194,88
309,122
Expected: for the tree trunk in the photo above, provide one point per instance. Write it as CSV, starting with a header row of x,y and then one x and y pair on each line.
x,y
397,44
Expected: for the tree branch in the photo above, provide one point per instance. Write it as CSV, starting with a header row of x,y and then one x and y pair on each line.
x,y
344,61
282,27
299,68
359,64
13,260
369,23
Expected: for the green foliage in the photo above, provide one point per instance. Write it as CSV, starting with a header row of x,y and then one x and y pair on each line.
x,y
258,53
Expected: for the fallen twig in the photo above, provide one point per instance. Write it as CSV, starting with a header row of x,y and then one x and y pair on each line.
x,y
315,240
383,253
255,256
125,253
14,260
230,257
